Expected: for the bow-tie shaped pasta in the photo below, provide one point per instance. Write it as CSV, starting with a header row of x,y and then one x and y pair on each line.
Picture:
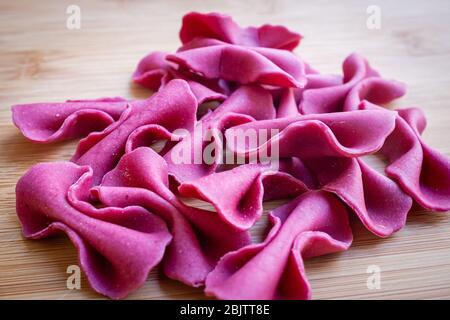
x,y
277,129
314,224
327,145
241,202
345,134
155,72
172,108
222,27
243,65
200,237
379,202
50,122
324,99
421,171
248,103
116,247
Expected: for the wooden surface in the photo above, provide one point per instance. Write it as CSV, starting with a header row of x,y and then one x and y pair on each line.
x,y
41,60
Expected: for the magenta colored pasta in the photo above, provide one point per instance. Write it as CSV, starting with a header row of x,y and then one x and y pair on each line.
x,y
200,238
421,171
171,108
154,72
121,202
343,134
50,122
248,103
116,247
243,65
241,204
313,224
221,27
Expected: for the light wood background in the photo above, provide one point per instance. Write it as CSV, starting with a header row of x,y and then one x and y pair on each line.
x,y
41,60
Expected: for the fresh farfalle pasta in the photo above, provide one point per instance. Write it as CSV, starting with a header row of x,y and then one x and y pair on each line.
x,y
243,65
117,247
276,129
51,122
199,237
246,104
224,28
313,224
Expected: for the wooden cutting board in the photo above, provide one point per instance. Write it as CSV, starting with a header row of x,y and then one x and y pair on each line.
x,y
42,60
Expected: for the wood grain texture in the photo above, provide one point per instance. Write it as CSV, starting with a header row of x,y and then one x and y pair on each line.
x,y
41,60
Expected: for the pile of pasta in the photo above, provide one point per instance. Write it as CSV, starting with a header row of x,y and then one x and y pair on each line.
x,y
119,200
